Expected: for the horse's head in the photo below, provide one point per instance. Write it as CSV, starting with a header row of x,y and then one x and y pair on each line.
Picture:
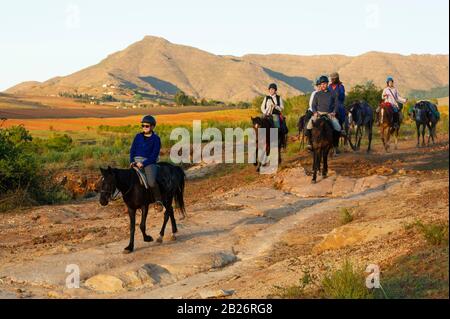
x,y
107,186
257,122
321,128
353,111
419,111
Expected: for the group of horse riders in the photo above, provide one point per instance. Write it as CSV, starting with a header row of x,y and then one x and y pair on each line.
x,y
328,99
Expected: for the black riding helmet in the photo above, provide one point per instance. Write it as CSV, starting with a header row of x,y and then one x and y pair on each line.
x,y
323,79
273,86
149,120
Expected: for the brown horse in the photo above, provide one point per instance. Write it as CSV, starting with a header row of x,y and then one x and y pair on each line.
x,y
323,139
387,127
266,123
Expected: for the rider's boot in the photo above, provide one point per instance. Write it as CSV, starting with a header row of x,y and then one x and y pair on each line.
x,y
158,206
396,119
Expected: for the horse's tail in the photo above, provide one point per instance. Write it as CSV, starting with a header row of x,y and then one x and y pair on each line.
x,y
179,193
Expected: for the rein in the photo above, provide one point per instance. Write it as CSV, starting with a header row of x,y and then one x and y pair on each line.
x,y
114,196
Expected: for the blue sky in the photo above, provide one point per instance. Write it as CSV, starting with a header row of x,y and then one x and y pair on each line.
x,y
46,38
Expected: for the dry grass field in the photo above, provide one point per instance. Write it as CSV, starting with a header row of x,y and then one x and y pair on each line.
x,y
84,124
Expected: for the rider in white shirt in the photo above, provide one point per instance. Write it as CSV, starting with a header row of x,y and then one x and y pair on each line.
x,y
272,105
390,95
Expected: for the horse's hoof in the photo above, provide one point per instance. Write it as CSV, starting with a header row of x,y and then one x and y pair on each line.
x,y
173,238
324,176
127,251
313,181
159,240
148,239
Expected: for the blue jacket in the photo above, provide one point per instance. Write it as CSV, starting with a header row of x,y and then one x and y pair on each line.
x,y
340,91
146,147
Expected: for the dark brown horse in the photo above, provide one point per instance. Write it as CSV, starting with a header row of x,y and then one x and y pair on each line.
x,y
323,139
425,114
301,125
171,180
266,123
360,116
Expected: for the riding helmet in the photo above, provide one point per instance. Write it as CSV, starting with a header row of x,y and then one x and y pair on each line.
x,y
389,79
317,81
323,79
149,120
273,86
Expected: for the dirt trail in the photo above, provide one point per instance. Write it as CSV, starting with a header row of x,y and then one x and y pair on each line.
x,y
239,240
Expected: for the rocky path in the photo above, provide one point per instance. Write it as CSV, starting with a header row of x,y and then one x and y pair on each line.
x,y
237,243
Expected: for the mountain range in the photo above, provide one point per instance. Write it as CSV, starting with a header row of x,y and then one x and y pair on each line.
x,y
158,67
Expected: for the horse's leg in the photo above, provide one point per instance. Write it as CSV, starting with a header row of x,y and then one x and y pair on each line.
x,y
369,129
382,133
356,136
396,133
325,162
388,138
280,143
163,228
424,126
173,223
431,129
147,238
132,215
315,166
256,158
418,134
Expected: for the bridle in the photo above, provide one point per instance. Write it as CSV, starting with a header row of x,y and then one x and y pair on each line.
x,y
114,195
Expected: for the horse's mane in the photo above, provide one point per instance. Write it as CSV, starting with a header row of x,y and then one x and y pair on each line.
x,y
125,176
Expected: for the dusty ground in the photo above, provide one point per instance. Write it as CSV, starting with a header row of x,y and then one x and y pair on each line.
x,y
247,235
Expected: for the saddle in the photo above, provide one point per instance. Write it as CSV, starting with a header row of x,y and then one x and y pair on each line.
x,y
142,177
387,106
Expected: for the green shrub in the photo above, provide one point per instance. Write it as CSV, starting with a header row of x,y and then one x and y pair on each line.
x,y
182,99
346,283
367,92
23,180
435,233
59,143
257,101
296,105
346,216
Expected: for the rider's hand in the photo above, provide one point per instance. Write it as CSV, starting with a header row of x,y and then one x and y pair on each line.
x,y
333,114
140,165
